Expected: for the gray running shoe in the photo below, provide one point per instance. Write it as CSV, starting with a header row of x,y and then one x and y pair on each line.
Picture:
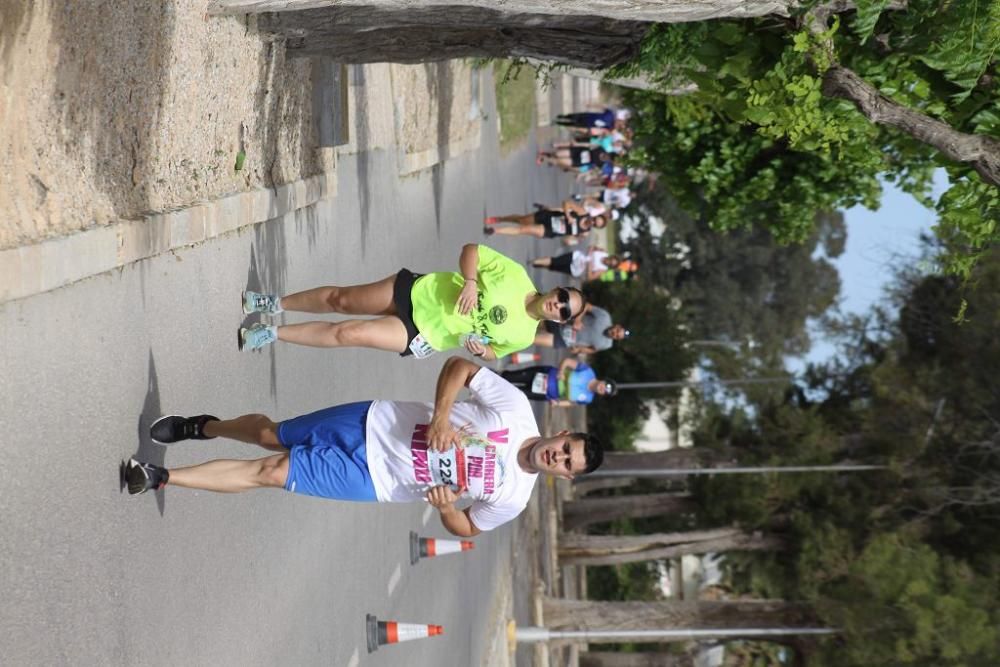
x,y
257,336
255,302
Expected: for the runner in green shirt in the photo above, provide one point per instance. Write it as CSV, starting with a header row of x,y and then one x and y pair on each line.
x,y
490,296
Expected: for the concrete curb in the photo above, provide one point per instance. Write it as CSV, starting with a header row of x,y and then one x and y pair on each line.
x,y
410,163
55,263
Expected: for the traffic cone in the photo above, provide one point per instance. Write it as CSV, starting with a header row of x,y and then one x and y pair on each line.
x,y
428,547
525,357
391,632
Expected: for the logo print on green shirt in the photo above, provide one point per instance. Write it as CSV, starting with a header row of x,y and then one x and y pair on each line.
x,y
498,314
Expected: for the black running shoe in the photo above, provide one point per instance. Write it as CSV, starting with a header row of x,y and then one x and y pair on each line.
x,y
174,428
141,477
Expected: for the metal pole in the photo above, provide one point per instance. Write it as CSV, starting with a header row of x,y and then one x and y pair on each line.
x,y
669,472
697,383
535,634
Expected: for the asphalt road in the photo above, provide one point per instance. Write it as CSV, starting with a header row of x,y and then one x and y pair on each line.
x,y
91,576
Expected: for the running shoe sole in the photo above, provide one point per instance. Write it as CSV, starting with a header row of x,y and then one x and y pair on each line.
x,y
243,303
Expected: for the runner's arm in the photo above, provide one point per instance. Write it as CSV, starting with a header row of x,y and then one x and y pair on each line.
x,y
477,349
568,362
468,265
456,521
455,374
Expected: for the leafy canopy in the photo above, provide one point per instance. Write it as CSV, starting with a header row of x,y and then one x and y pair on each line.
x,y
761,143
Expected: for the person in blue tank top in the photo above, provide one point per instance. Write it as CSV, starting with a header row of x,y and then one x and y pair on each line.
x,y
572,382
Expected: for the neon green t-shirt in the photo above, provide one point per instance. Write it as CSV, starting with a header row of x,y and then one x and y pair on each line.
x,y
500,314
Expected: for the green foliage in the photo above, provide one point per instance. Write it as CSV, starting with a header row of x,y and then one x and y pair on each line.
x,y
867,16
631,581
904,604
969,214
655,351
760,143
905,561
741,287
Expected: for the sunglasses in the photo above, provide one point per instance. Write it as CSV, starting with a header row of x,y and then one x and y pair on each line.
x,y
562,296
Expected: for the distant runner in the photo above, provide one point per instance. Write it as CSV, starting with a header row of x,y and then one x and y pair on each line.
x,y
487,449
573,382
491,308
591,332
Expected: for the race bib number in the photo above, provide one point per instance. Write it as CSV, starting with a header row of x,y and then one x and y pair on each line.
x,y
540,383
472,468
420,348
584,157
558,225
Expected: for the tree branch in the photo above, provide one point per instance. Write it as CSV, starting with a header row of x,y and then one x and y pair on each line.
x,y
980,152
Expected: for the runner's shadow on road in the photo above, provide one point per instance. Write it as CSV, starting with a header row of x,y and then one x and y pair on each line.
x,y
363,157
440,88
149,451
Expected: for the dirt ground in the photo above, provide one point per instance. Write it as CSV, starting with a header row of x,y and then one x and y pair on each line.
x,y
111,110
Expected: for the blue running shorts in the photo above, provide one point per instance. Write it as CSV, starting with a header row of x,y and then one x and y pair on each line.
x,y
327,455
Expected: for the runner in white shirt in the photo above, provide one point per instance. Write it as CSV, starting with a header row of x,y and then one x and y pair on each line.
x,y
588,264
487,450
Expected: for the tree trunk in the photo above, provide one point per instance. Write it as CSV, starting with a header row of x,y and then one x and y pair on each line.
x,y
582,485
677,458
661,11
980,152
635,82
580,513
358,34
575,549
562,614
645,659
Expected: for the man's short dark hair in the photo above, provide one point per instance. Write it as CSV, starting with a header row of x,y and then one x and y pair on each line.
x,y
593,451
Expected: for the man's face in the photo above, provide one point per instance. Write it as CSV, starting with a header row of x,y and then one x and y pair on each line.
x,y
560,304
559,456
616,332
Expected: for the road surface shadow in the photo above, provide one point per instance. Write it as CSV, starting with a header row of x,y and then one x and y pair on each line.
x,y
149,451
440,88
363,157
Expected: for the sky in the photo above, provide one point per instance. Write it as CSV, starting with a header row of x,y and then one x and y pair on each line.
x,y
876,239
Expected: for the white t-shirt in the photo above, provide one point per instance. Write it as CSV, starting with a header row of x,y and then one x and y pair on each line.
x,y
495,424
584,261
617,197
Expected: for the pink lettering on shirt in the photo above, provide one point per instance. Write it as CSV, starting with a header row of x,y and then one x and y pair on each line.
x,y
418,452
475,466
498,436
490,467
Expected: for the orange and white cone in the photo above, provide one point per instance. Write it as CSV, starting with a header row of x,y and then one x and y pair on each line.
x,y
428,547
392,632
525,357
